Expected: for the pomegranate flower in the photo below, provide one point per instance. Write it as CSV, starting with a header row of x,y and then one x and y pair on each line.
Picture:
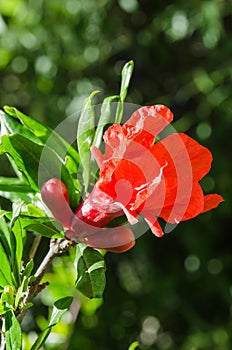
x,y
139,176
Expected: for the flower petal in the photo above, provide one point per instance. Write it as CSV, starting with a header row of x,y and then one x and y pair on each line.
x,y
154,225
146,123
115,239
188,156
185,207
211,201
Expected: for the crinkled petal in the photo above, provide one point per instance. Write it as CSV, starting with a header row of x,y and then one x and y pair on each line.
x,y
146,123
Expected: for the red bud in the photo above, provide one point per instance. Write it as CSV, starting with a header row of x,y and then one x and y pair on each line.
x,y
55,195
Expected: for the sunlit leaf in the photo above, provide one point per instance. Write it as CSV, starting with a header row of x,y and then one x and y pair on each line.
x,y
13,184
133,345
90,271
18,236
13,332
5,269
85,134
125,81
59,308
44,226
27,157
42,132
104,119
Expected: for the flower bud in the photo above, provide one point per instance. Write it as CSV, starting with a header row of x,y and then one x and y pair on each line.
x,y
55,195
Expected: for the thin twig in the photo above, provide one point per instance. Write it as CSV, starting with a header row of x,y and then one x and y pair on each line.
x,y
35,246
57,247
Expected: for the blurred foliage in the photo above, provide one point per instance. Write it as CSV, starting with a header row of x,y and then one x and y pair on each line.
x,y
172,293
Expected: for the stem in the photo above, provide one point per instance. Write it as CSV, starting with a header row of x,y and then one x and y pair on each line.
x,y
34,247
57,247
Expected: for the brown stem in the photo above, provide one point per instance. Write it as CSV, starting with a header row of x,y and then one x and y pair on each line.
x,y
57,247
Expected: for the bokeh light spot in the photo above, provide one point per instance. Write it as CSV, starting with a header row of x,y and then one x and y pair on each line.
x,y
192,263
128,5
215,266
204,130
19,64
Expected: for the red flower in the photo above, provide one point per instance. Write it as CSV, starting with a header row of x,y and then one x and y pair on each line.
x,y
140,177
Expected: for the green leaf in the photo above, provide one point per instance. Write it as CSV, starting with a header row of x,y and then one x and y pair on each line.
x,y
43,225
28,269
13,332
125,81
19,234
43,133
34,211
59,308
3,308
104,119
85,134
5,269
13,184
16,209
5,235
90,271
11,125
36,127
33,160
133,345
47,229
8,296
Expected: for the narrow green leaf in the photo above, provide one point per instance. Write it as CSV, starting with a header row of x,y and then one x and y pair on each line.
x,y
8,296
47,229
133,345
126,77
90,272
104,119
36,127
19,234
13,196
20,291
85,134
60,307
28,269
33,159
41,339
43,225
3,213
12,126
13,332
5,269
13,184
125,81
56,142
3,308
16,209
34,211
6,236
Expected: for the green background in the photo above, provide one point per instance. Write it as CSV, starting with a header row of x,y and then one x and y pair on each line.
x,y
169,293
